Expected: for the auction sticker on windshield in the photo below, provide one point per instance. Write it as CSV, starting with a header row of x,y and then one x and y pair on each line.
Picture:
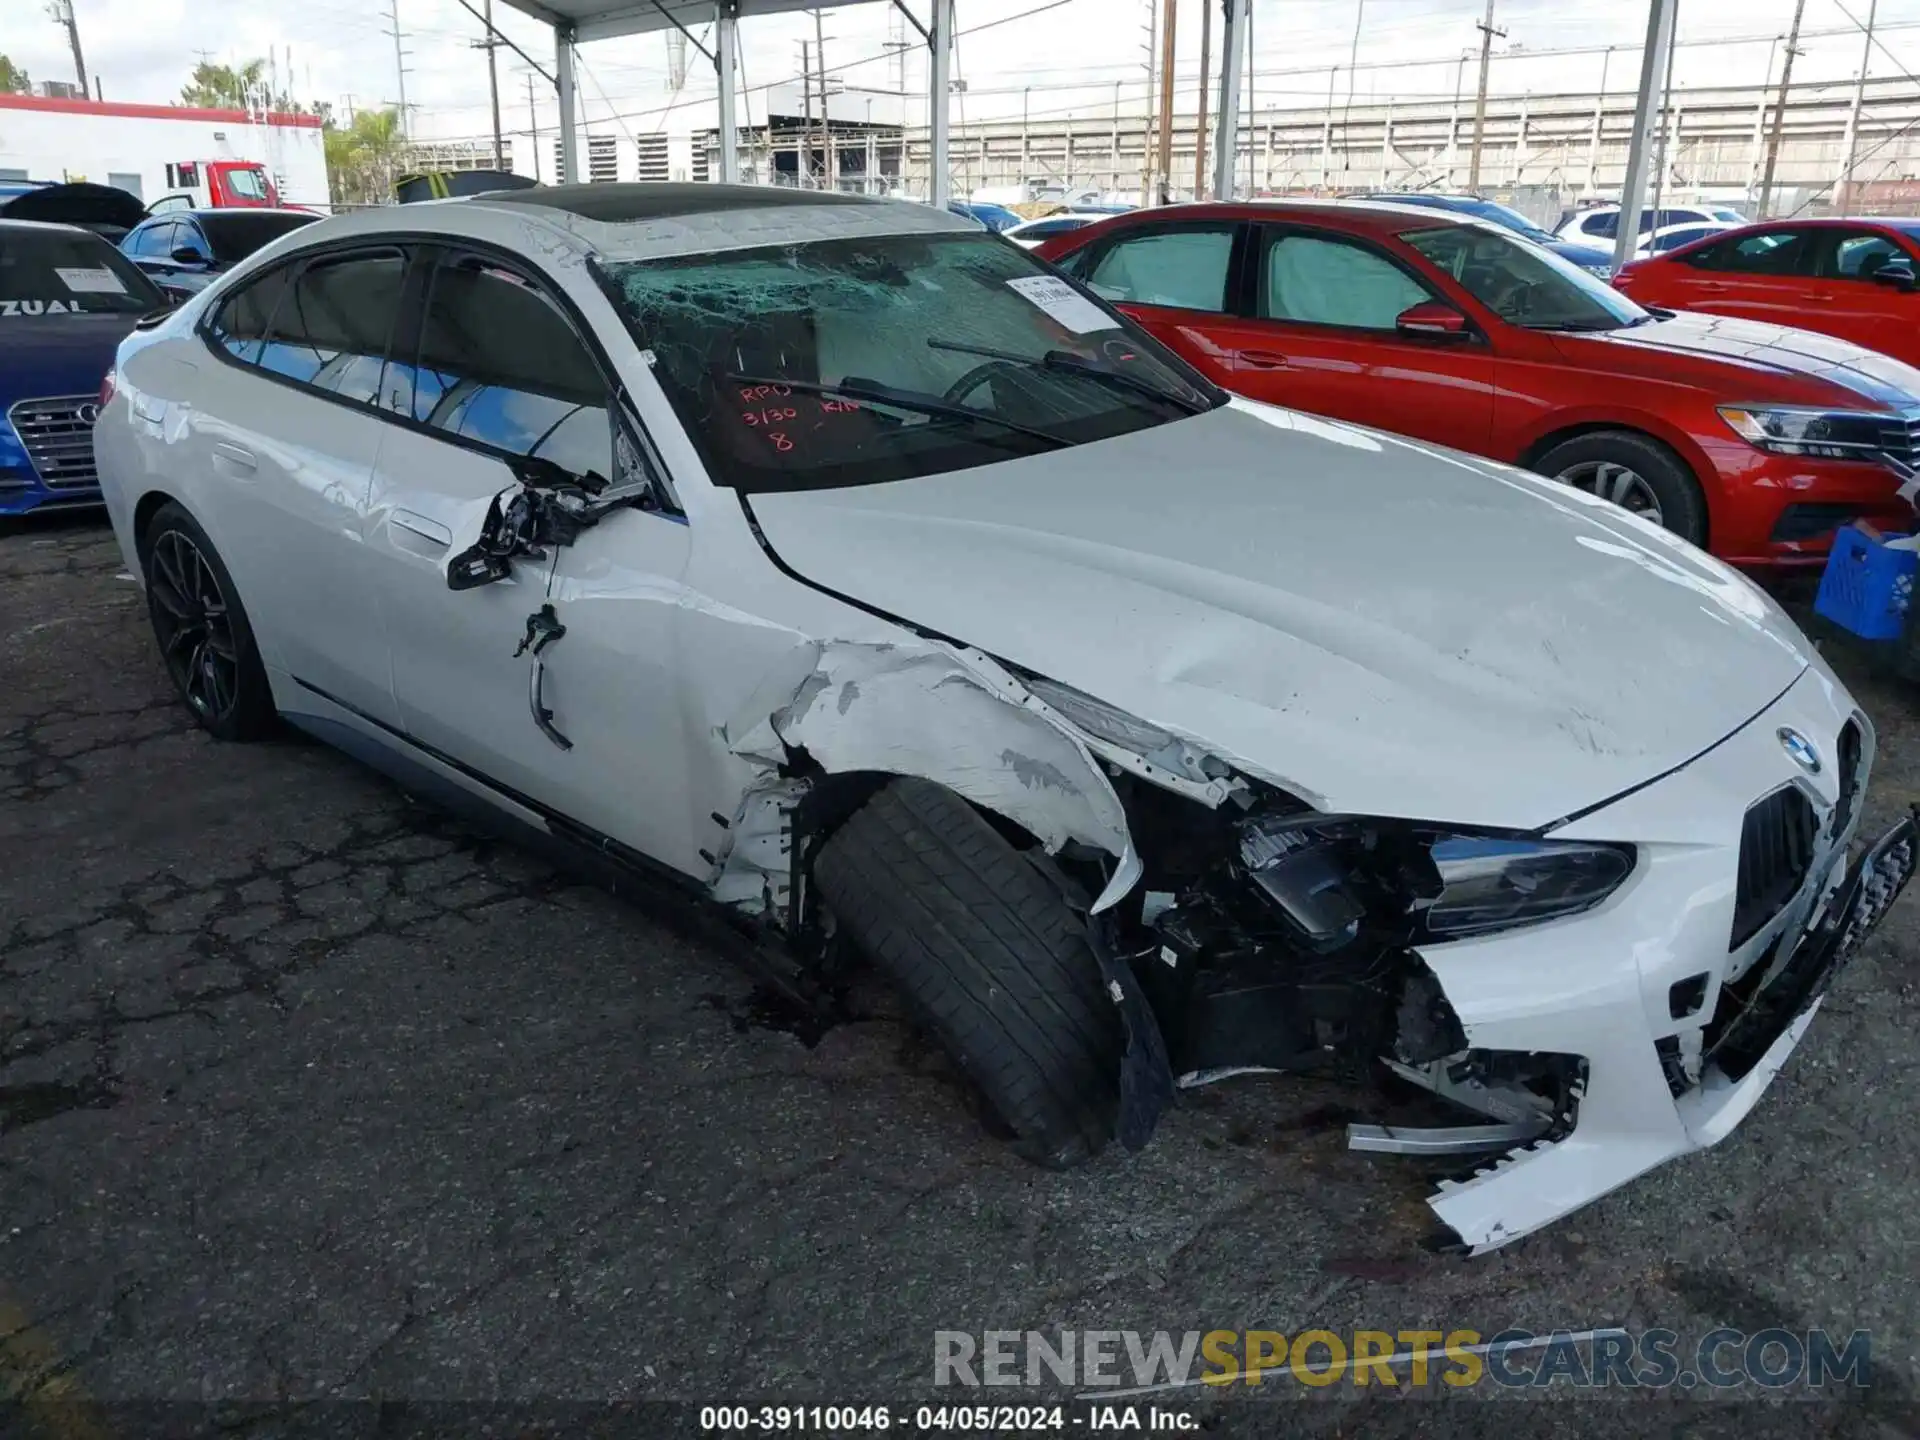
x,y
1064,303
90,280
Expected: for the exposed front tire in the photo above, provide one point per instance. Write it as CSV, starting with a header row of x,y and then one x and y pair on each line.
x,y
989,956
1635,472
205,640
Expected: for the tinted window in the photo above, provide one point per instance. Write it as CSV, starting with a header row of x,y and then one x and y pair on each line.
x,y
1605,226
240,325
65,272
188,236
1772,252
1329,282
236,234
1521,283
1681,235
1184,268
500,363
1856,255
151,241
1041,229
330,329
953,320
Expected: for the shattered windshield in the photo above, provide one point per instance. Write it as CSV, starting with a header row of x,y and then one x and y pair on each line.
x,y
836,363
1522,283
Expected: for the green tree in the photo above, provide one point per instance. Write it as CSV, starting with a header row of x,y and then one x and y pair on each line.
x,y
363,158
13,80
231,87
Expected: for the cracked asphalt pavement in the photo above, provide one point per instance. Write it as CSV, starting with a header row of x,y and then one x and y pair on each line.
x,y
310,1094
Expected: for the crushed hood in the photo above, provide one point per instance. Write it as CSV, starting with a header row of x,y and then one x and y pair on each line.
x,y
1381,626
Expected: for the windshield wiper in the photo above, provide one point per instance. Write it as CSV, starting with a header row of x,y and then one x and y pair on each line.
x,y
1066,362
874,393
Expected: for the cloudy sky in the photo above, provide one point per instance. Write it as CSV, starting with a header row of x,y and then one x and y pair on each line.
x,y
1052,56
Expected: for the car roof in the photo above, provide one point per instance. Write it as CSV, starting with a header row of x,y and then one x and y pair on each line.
x,y
1371,217
642,200
7,225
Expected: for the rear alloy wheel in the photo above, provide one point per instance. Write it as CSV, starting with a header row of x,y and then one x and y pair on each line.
x,y
202,630
1635,472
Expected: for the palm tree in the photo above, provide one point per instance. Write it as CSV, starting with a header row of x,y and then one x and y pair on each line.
x,y
13,80
227,87
363,157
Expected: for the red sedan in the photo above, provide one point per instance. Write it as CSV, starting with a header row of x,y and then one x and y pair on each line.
x,y
1753,439
1851,278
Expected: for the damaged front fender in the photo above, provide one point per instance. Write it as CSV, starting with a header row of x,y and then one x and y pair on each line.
x,y
936,713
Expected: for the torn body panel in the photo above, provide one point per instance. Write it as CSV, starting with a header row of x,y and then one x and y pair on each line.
x,y
913,709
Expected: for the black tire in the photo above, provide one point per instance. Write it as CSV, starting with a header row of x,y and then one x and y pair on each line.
x,y
1683,508
990,957
205,640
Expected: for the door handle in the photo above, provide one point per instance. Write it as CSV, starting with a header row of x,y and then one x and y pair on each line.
x,y
431,531
1262,359
234,457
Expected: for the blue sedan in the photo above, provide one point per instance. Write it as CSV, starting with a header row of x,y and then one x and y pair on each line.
x,y
1590,258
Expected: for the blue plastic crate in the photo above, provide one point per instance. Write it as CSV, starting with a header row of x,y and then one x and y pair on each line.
x,y
1867,587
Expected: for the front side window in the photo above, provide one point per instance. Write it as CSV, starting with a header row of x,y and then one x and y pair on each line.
x,y
1856,255
153,242
960,351
1183,269
62,272
1771,252
1523,284
1680,235
330,330
248,184
501,365
1315,281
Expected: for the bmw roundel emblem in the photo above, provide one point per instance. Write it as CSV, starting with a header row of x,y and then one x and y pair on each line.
x,y
1799,749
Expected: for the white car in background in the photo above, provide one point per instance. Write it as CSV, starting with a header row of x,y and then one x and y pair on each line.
x,y
833,564
1672,237
1599,224
1032,232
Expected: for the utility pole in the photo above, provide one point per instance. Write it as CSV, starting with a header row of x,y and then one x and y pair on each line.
x,y
399,62
1843,198
1163,161
1487,33
62,13
803,165
1152,48
1200,128
533,130
1780,111
491,44
827,167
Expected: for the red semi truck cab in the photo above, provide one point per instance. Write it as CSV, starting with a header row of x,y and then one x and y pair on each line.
x,y
217,184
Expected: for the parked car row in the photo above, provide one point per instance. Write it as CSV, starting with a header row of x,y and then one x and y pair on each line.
x,y
868,580
1736,431
79,265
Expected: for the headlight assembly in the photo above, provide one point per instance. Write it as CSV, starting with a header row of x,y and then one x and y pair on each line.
x,y
1137,737
1494,883
1825,434
1331,877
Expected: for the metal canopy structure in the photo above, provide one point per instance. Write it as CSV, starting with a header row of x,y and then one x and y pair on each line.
x,y
578,22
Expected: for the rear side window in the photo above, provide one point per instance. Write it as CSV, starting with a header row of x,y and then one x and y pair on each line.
x,y
240,325
1184,268
46,271
1604,226
500,364
330,329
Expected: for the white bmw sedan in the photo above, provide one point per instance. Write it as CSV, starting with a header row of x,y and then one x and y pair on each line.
x,y
835,564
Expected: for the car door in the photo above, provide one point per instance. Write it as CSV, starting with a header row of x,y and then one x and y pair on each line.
x,y
1172,277
1319,331
496,370
1851,303
1760,275
285,418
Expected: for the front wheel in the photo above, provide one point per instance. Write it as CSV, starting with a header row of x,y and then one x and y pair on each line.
x,y
205,640
1635,472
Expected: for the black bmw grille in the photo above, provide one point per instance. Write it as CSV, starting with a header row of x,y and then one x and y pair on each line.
x,y
1776,849
58,435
